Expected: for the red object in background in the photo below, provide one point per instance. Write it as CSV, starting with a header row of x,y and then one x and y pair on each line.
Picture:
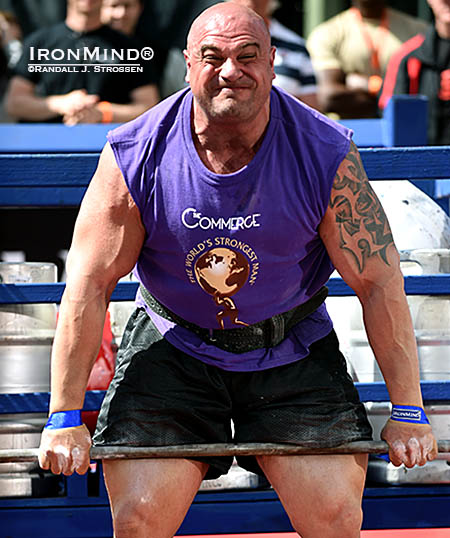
x,y
444,92
102,372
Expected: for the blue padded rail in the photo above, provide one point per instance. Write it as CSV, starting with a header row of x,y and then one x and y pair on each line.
x,y
61,180
403,124
53,138
126,291
37,402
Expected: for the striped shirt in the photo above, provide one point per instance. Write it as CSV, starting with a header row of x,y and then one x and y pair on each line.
x,y
293,67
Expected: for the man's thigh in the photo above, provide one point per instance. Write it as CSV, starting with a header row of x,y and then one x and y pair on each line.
x,y
321,494
161,396
311,402
151,495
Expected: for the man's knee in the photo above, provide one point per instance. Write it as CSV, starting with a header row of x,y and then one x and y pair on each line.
x,y
136,518
339,518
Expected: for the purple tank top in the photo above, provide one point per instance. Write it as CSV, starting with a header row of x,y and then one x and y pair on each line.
x,y
233,248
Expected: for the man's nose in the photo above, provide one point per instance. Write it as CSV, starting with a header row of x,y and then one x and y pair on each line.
x,y
230,69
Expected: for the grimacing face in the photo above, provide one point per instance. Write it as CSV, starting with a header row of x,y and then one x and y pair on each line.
x,y
230,66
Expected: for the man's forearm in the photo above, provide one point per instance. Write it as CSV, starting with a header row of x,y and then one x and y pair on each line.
x,y
142,99
123,113
77,342
106,112
32,107
347,101
391,335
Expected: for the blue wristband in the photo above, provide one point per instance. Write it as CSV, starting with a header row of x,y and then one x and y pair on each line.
x,y
64,419
409,413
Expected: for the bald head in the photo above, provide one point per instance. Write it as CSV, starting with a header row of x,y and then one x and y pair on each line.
x,y
229,65
227,17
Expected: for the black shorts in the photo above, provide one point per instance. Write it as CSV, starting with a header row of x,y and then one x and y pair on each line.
x,y
161,396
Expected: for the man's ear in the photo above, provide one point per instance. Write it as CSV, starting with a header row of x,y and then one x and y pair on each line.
x,y
188,64
272,60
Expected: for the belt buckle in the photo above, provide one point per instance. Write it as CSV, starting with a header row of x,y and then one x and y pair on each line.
x,y
276,330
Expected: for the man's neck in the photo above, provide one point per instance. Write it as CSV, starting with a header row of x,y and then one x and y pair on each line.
x,y
226,147
371,12
80,22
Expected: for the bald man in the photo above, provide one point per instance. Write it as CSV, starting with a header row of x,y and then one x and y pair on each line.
x,y
233,202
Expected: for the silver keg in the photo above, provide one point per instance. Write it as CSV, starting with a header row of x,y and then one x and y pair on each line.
x,y
421,232
120,311
26,336
430,315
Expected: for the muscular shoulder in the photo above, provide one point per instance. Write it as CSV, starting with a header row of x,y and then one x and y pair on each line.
x,y
358,216
140,144
315,144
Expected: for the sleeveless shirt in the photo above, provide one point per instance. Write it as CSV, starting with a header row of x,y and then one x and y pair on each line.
x,y
234,248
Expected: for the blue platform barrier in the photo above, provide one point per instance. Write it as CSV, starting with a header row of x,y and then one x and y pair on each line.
x,y
403,124
33,180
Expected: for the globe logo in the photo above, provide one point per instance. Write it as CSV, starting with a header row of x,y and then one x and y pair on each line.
x,y
222,272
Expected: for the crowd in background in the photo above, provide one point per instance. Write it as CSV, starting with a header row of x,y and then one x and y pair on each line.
x,y
339,70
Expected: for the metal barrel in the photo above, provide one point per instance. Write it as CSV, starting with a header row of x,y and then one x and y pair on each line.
x,y
26,336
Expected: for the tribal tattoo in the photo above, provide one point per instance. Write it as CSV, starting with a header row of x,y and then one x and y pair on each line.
x,y
364,229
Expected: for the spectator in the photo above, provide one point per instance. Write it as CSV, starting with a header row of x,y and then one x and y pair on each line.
x,y
98,85
422,66
122,15
166,24
293,67
35,14
11,37
10,51
350,53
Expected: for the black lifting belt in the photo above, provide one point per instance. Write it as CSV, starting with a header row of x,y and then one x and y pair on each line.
x,y
264,334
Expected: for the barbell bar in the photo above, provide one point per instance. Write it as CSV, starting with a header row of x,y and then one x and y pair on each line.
x,y
217,449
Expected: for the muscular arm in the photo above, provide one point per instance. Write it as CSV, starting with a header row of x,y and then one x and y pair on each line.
x,y
336,96
107,240
358,239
